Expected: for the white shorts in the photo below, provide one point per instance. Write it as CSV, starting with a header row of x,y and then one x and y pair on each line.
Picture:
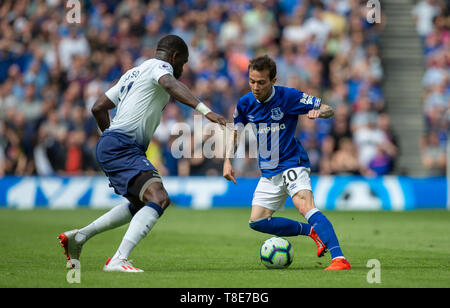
x,y
272,192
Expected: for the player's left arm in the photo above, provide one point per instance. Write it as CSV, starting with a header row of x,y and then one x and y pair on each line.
x,y
324,112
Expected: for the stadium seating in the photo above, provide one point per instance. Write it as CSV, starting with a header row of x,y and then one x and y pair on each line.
x,y
433,26
51,73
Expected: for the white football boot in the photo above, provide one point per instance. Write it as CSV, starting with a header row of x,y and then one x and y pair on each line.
x,y
72,249
120,265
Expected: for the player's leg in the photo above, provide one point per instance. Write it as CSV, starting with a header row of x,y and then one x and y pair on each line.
x,y
73,241
303,205
298,184
116,217
269,196
260,212
278,226
108,148
304,202
153,201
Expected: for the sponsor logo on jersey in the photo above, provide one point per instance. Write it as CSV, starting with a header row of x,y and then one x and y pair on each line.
x,y
166,67
264,129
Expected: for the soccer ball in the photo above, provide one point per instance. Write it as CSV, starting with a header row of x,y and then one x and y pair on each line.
x,y
276,252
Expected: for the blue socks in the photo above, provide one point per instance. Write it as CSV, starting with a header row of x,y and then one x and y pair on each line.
x,y
325,231
280,226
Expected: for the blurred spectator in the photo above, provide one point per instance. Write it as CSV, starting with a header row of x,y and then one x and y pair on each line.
x,y
375,150
75,43
30,105
384,124
246,167
16,159
341,125
2,161
154,154
259,27
345,159
7,99
436,83
326,149
40,151
424,12
78,159
433,155
170,163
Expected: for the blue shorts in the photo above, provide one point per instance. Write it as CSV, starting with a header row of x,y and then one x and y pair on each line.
x,y
121,159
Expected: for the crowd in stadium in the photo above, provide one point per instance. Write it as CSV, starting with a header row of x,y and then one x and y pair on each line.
x,y
433,26
51,73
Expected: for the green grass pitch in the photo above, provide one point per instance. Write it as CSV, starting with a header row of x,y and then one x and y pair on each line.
x,y
216,249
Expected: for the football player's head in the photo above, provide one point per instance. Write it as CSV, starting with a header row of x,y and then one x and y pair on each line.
x,y
175,52
262,72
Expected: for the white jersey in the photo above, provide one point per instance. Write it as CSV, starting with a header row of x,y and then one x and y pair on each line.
x,y
139,99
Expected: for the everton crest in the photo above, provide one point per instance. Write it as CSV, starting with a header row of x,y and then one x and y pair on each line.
x,y
277,114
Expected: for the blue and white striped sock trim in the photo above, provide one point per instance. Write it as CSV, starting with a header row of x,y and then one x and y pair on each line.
x,y
311,212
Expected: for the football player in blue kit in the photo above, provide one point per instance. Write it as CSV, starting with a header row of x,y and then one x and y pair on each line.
x,y
273,113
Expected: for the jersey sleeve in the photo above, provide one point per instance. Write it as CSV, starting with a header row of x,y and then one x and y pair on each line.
x,y
113,93
239,115
301,103
162,68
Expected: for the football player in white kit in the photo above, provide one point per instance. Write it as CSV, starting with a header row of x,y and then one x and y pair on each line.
x,y
139,96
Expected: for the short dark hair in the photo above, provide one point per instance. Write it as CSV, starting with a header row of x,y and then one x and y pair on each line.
x,y
171,43
264,63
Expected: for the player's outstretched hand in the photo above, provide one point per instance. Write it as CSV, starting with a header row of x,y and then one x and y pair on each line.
x,y
314,114
216,118
228,171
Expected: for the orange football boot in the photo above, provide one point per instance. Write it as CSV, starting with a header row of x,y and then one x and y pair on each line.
x,y
338,264
321,248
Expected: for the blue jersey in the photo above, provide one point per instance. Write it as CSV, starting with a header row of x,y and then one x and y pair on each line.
x,y
275,122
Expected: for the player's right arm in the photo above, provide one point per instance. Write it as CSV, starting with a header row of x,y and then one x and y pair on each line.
x,y
100,111
228,171
324,112
181,93
240,121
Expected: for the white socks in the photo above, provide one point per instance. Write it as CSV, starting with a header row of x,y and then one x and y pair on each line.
x,y
116,217
141,224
